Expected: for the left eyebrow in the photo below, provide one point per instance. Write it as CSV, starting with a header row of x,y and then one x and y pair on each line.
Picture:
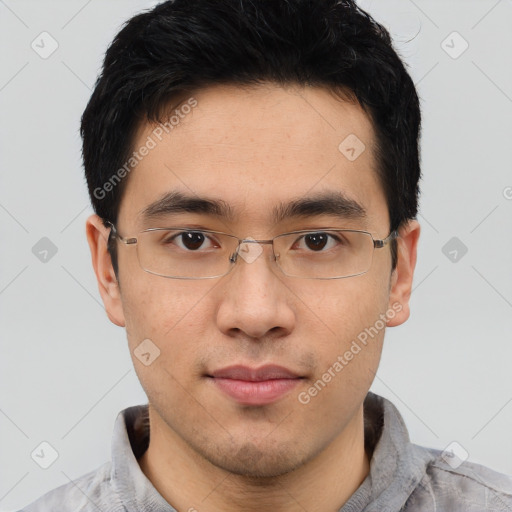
x,y
331,203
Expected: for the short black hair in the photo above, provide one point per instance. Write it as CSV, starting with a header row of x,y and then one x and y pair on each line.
x,y
184,45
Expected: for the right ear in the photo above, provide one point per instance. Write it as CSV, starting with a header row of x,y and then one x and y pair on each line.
x,y
97,237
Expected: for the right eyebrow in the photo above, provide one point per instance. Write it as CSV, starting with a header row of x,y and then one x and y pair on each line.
x,y
178,202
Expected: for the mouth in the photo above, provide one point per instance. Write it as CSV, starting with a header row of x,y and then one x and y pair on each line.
x,y
255,386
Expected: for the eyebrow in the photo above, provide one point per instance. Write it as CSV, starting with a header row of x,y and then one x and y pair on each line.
x,y
332,203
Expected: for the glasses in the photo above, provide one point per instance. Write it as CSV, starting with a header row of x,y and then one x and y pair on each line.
x,y
186,253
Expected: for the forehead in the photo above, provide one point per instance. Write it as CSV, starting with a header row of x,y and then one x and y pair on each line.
x,y
255,148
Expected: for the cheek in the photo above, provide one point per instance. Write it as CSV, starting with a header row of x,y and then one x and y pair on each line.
x,y
349,305
348,353
172,316
352,316
169,313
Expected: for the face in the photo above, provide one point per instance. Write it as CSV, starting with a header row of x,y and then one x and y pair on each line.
x,y
254,150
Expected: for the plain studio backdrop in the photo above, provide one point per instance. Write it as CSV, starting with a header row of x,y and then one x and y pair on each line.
x,y
65,369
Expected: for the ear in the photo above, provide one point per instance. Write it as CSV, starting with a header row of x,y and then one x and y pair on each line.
x,y
402,275
97,237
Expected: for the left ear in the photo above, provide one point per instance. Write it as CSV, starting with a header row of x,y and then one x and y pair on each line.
x,y
402,275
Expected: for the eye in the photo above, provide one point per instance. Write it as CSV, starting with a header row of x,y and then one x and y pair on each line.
x,y
318,241
189,240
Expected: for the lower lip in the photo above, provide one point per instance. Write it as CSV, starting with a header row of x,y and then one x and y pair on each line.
x,y
255,393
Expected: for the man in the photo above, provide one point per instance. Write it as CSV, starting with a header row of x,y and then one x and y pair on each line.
x,y
254,168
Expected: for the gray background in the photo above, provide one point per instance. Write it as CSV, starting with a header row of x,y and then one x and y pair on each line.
x,y
65,369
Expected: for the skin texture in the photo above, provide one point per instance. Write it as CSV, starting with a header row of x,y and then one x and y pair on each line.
x,y
254,148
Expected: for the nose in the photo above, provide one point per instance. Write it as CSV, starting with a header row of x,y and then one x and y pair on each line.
x,y
253,298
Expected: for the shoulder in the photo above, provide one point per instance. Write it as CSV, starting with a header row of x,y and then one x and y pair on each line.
x,y
91,492
455,485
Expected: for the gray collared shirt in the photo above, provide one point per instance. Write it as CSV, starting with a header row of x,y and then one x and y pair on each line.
x,y
403,476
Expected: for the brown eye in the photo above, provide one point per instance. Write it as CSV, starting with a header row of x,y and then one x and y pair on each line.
x,y
192,240
316,241
187,240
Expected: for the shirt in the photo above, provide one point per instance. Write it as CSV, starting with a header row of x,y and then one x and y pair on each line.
x,y
403,476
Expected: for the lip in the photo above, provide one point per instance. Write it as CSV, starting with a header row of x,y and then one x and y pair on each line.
x,y
255,386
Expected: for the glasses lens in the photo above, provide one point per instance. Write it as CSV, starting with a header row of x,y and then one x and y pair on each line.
x,y
196,254
324,254
185,253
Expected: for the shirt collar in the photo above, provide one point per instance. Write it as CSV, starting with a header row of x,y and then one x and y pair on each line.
x,y
133,488
396,465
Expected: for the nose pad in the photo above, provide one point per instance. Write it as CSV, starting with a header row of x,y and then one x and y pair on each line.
x,y
249,250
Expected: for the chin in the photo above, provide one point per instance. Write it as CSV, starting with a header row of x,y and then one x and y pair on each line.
x,y
253,462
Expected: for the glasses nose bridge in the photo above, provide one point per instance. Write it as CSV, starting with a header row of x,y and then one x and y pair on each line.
x,y
253,241
242,241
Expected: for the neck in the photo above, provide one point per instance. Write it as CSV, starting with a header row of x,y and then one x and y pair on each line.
x,y
190,483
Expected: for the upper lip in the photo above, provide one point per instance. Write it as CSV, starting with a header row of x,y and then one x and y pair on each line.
x,y
267,372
